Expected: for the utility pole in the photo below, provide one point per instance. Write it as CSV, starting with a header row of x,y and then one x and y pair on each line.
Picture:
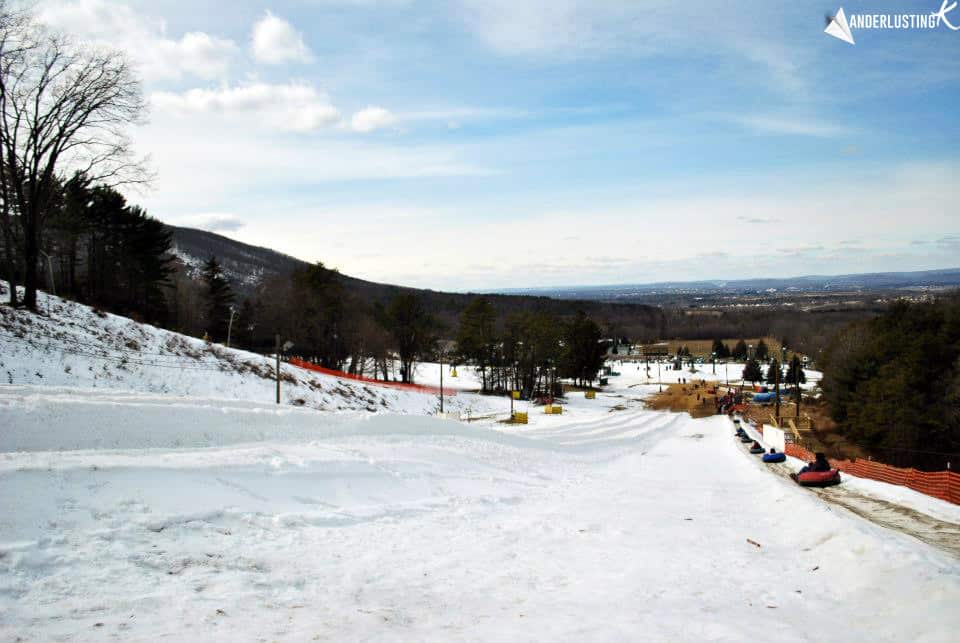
x,y
233,312
777,391
659,379
278,367
796,376
440,353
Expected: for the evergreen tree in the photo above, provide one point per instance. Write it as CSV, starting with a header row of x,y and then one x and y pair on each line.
x,y
321,329
476,337
740,350
763,352
244,324
794,369
772,371
752,372
584,351
219,296
719,349
890,382
127,262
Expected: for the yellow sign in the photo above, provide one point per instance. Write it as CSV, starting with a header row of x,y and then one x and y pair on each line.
x,y
590,395
516,395
553,409
453,372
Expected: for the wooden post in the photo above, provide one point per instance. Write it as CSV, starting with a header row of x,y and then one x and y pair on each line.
x,y
440,353
278,367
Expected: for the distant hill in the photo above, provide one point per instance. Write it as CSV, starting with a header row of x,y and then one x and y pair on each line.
x,y
248,266
876,281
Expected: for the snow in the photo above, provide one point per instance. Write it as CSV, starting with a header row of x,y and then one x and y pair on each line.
x,y
243,521
731,372
142,500
73,345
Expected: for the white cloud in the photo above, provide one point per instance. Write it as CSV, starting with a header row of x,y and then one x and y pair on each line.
x,y
290,107
158,56
796,126
274,41
371,118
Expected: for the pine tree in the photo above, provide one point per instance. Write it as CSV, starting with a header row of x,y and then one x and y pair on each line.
x,y
772,371
584,352
794,369
762,351
740,350
476,336
719,349
244,323
752,372
219,298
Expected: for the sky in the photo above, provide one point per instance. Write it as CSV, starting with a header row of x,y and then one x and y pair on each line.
x,y
484,144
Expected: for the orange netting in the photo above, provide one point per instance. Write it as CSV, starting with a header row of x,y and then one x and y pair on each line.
x,y
417,388
939,484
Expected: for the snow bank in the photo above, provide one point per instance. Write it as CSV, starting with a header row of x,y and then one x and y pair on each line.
x,y
70,344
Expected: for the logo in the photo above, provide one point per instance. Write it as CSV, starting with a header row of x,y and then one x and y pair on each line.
x,y
839,27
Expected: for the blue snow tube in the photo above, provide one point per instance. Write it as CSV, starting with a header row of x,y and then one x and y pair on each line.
x,y
775,457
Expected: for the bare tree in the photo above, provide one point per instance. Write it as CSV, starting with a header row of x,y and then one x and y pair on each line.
x,y
14,42
63,109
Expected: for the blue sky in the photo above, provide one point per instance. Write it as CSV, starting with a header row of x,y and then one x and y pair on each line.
x,y
507,143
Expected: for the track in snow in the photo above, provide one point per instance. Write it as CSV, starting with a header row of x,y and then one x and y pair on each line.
x,y
938,533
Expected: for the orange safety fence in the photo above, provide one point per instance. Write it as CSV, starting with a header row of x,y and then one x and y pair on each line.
x,y
416,388
939,484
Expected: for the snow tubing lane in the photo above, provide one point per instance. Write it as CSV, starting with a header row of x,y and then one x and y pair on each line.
x,y
775,457
819,478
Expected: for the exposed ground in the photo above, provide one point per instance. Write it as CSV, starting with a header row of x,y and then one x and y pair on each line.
x,y
695,398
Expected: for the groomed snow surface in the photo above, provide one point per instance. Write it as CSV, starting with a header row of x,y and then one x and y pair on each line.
x,y
149,489
141,517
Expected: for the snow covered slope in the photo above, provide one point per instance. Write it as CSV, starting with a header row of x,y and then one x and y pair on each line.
x,y
238,521
70,344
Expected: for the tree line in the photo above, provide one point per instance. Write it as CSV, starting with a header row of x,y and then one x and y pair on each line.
x,y
529,351
526,351
893,383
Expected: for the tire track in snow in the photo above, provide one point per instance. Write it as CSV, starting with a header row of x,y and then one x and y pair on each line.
x,y
935,532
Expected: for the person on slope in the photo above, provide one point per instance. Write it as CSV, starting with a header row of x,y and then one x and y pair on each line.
x,y
820,463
